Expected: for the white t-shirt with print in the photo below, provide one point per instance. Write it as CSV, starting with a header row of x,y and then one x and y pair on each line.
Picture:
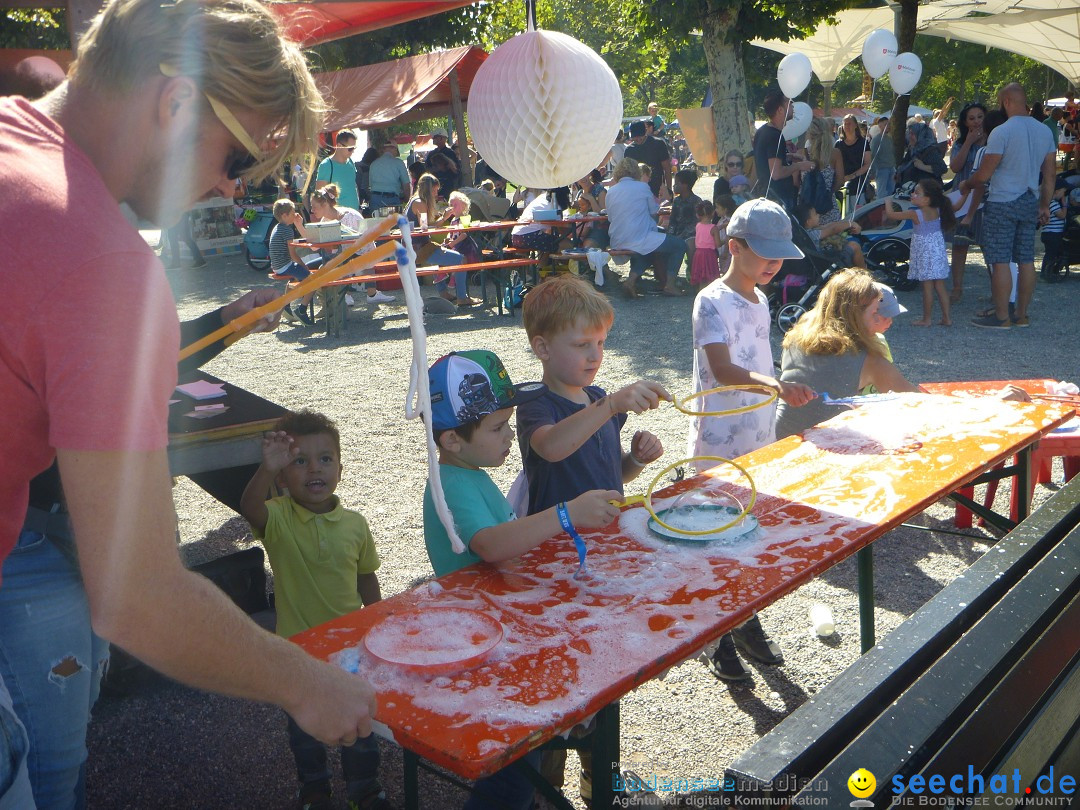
x,y
721,315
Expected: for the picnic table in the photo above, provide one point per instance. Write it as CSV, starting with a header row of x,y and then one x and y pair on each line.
x,y
571,648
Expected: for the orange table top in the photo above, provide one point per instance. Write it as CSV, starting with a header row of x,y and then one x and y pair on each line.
x,y
1065,440
571,646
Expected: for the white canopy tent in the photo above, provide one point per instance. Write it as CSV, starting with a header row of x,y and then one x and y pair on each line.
x,y
1051,37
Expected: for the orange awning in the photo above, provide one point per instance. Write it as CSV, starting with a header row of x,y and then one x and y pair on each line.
x,y
311,23
403,90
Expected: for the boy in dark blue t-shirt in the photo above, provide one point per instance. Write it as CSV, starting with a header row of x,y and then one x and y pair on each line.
x,y
569,436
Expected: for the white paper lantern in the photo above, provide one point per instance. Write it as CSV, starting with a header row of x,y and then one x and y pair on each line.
x,y
905,73
793,74
878,52
801,116
544,109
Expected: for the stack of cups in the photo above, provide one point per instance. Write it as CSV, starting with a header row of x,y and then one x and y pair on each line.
x,y
821,619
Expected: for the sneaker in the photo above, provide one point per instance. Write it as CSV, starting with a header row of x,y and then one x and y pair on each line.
x,y
725,663
198,264
301,312
315,795
349,300
585,787
752,641
372,799
379,297
1021,323
991,322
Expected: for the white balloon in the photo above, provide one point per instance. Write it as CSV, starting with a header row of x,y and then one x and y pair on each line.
x,y
544,109
793,74
878,52
905,73
801,117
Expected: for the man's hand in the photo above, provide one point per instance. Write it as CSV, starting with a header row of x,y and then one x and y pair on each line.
x,y
855,227
278,450
594,509
1044,214
644,395
796,394
645,448
336,707
253,300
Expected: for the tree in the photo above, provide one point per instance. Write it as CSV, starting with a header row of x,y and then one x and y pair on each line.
x,y
726,26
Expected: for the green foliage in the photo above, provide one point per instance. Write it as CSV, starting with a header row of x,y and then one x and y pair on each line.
x,y
34,28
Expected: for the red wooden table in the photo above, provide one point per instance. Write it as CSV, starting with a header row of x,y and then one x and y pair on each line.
x,y
573,647
1064,442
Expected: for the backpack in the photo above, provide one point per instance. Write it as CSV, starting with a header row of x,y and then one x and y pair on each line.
x,y
814,191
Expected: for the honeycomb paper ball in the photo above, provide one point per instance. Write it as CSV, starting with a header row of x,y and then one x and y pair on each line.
x,y
544,109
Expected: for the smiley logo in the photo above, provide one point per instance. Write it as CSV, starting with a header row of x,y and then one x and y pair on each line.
x,y
861,783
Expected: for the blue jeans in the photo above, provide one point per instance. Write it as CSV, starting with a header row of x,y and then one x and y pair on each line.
x,y
508,789
448,258
51,663
886,182
359,761
667,257
15,792
381,200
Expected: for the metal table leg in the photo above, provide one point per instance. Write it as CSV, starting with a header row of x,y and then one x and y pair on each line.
x,y
865,565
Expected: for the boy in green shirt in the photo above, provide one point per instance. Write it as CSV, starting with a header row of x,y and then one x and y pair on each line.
x,y
324,563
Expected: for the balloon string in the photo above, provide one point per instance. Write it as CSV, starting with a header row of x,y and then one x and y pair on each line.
x,y
781,145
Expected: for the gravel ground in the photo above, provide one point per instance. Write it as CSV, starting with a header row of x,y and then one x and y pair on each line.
x,y
164,746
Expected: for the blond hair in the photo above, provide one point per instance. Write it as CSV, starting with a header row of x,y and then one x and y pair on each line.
x,y
284,206
425,192
328,194
820,149
460,195
835,325
627,167
562,301
234,50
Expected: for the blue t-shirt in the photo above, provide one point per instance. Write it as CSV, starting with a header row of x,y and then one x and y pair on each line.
x,y
343,175
475,502
597,464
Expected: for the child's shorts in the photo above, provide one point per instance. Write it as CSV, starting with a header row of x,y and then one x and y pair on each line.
x,y
298,272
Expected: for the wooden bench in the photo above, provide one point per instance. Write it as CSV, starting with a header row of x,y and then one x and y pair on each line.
x,y
333,292
985,676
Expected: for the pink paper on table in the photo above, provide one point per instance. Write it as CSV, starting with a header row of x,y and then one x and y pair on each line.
x,y
201,389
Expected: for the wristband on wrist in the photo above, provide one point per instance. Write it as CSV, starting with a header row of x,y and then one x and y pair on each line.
x,y
634,459
568,527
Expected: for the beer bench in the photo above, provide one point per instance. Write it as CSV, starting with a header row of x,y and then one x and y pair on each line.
x,y
985,676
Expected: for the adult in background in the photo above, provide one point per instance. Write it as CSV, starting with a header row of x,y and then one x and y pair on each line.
x,y
775,170
632,211
616,153
882,158
827,160
388,178
923,159
1015,154
339,169
140,91
363,170
443,162
970,139
733,167
856,158
1052,122
939,124
654,153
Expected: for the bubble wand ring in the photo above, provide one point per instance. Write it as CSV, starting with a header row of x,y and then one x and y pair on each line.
x,y
770,397
647,499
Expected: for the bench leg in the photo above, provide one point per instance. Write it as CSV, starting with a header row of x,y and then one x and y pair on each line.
x,y
411,779
865,565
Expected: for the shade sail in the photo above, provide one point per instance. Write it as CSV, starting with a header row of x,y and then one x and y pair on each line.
x,y
1050,37
402,90
311,23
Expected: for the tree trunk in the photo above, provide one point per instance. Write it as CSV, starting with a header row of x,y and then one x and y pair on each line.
x,y
727,78
905,38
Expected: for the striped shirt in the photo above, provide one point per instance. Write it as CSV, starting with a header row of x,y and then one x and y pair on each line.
x,y
1056,223
279,245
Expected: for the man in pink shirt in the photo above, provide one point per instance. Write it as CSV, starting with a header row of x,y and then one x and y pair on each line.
x,y
149,120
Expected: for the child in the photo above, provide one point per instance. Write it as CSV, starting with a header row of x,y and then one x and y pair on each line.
x,y
830,239
285,260
1052,234
725,206
740,188
324,563
569,435
731,347
929,262
707,238
880,323
472,400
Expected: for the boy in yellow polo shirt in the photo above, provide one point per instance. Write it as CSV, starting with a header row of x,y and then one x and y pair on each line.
x,y
324,563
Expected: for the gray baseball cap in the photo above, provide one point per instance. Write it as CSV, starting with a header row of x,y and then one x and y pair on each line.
x,y
890,305
766,227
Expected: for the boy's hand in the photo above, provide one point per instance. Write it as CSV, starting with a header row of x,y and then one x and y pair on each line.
x,y
645,448
278,451
796,394
594,509
644,395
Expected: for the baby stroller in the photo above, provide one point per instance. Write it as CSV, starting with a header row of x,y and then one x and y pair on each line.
x,y
1057,268
257,240
796,287
886,243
